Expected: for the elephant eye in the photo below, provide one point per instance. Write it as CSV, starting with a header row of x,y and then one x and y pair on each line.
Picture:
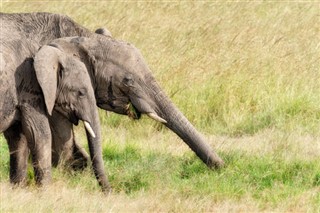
x,y
82,93
128,80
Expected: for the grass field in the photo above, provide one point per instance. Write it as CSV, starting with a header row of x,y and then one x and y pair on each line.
x,y
246,74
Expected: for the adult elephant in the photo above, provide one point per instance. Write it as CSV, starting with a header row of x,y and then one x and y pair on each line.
x,y
30,90
124,84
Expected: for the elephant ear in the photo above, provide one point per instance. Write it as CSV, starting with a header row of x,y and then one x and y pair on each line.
x,y
46,64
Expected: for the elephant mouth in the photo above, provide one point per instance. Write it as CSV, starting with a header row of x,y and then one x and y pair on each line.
x,y
74,118
71,115
132,111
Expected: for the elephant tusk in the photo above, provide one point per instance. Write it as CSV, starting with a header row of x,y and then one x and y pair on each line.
x,y
89,129
156,117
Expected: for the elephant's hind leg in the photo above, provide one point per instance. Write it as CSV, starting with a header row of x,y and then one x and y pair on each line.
x,y
65,149
80,157
19,152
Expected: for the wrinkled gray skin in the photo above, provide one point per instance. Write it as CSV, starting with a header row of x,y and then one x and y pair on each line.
x,y
53,79
124,84
118,80
27,95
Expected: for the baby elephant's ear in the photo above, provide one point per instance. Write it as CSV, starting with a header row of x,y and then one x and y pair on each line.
x,y
46,65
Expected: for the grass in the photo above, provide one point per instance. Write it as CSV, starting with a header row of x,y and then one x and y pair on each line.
x,y
249,182
245,74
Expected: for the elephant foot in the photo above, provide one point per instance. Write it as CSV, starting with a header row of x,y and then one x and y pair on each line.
x,y
18,183
107,190
42,174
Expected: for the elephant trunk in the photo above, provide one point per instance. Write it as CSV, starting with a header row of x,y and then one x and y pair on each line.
x,y
179,124
94,140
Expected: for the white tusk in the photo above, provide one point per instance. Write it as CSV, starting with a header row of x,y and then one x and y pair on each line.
x,y
156,117
89,129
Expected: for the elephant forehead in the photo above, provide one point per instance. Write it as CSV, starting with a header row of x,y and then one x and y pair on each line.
x,y
75,66
78,78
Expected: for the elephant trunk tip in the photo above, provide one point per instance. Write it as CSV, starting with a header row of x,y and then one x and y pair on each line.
x,y
107,190
216,163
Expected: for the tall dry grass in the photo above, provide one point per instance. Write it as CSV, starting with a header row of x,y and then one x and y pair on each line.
x,y
232,68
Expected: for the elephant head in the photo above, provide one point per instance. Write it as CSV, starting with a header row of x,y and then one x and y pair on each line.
x,y
66,85
124,84
67,88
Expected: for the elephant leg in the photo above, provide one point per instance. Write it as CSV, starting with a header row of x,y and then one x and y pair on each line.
x,y
18,148
80,157
36,128
65,149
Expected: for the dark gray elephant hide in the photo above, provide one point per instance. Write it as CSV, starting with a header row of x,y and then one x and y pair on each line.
x,y
124,84
25,104
133,88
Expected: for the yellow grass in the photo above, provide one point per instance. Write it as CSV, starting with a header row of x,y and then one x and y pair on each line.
x,y
59,198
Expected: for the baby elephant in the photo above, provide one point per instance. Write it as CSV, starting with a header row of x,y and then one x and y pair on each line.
x,y
54,81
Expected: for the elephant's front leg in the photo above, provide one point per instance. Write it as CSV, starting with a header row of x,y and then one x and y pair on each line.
x,y
18,148
65,149
36,128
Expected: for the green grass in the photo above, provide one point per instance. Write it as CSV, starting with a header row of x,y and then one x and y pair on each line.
x,y
4,159
245,74
269,180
